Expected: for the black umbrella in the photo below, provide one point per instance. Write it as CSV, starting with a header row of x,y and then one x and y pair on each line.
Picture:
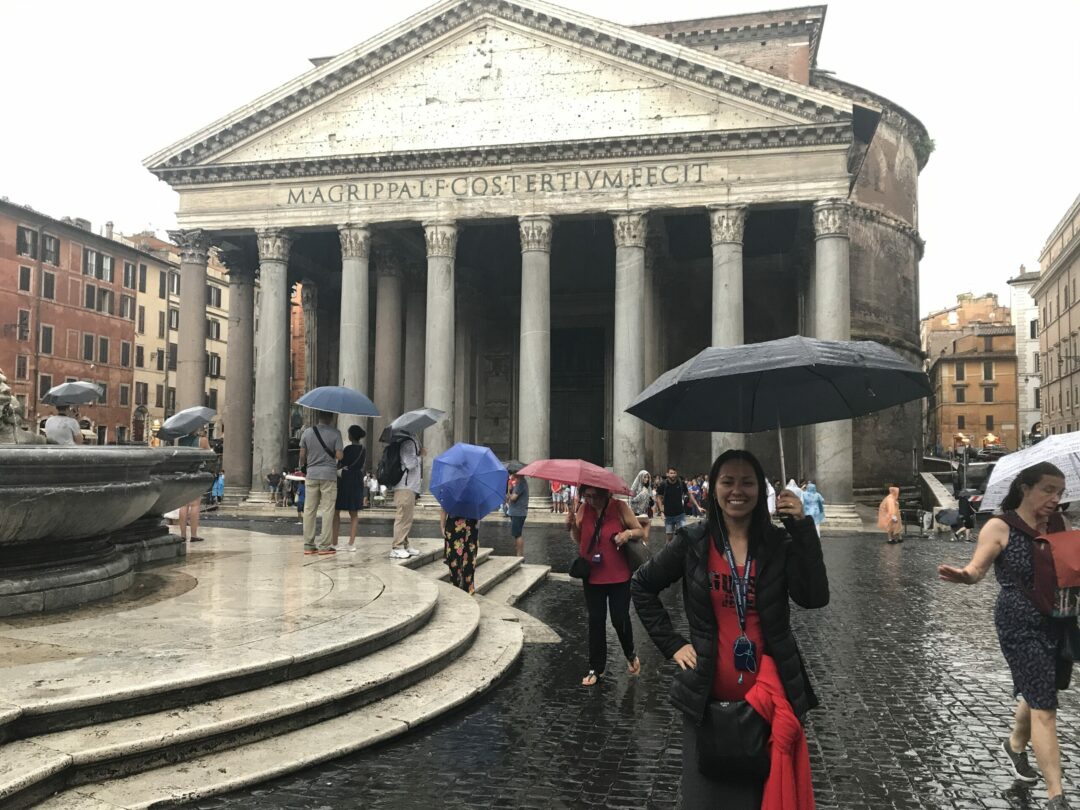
x,y
780,383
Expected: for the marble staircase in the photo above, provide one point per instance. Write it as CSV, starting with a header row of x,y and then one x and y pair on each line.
x,y
168,707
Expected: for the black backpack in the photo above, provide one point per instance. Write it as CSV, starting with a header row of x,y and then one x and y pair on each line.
x,y
390,470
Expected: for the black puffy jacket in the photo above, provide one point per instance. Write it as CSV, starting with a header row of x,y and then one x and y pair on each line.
x,y
789,564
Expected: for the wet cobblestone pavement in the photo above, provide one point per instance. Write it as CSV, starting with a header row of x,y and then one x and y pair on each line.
x,y
915,698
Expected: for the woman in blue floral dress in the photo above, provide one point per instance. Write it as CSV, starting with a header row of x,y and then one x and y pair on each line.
x,y
461,542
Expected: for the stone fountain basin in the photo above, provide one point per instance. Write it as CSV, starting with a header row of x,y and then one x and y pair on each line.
x,y
184,474
66,493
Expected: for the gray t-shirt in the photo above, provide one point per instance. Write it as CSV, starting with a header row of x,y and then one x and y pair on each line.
x,y
320,466
520,507
61,429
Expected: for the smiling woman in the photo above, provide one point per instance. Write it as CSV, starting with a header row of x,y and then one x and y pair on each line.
x,y
740,677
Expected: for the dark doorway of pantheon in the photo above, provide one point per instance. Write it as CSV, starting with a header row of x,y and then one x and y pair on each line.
x,y
577,393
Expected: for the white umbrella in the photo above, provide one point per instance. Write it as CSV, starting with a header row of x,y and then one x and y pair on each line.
x,y
1061,450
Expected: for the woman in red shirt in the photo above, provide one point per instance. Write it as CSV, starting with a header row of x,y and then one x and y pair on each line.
x,y
738,572
601,526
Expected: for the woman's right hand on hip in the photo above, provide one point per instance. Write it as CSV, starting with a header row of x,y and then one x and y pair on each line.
x,y
685,657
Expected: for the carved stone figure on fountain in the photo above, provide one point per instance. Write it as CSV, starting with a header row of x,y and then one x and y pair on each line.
x,y
12,414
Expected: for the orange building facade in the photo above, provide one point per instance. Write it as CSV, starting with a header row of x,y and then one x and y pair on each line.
x,y
68,312
974,381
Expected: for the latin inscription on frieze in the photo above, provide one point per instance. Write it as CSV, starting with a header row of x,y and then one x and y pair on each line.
x,y
507,184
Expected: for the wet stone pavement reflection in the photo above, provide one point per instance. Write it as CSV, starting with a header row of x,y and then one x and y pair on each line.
x,y
915,695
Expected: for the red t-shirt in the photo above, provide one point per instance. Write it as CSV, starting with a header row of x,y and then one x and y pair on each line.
x,y
613,567
726,684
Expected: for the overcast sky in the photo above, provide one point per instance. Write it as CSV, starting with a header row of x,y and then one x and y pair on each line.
x,y
93,88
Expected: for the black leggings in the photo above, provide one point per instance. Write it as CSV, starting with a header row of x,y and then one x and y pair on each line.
x,y
598,598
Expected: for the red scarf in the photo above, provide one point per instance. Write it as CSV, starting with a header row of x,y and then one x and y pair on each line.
x,y
789,786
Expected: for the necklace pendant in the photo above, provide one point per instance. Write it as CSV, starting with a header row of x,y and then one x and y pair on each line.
x,y
740,678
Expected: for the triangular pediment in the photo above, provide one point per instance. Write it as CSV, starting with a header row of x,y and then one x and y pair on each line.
x,y
489,73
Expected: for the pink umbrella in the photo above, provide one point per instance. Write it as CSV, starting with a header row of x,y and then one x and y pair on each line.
x,y
575,471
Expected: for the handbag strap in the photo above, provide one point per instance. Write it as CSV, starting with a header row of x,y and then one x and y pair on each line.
x,y
319,437
596,529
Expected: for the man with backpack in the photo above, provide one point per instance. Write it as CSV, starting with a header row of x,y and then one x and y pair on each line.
x,y
321,449
399,469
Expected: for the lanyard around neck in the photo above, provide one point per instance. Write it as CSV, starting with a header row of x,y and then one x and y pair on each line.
x,y
740,584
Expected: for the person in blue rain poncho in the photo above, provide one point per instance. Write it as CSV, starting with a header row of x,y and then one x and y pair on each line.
x,y
814,505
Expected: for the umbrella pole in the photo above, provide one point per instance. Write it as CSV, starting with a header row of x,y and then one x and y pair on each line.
x,y
780,438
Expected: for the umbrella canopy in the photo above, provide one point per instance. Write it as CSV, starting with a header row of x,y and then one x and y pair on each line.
x,y
575,471
79,392
780,383
1062,450
468,481
948,517
186,421
338,399
416,422
514,466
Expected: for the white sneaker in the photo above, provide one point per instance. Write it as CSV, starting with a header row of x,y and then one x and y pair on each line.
x,y
413,552
351,548
399,554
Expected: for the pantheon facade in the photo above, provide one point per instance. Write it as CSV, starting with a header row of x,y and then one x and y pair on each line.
x,y
523,215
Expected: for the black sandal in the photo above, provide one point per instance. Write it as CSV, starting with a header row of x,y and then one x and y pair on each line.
x,y
595,676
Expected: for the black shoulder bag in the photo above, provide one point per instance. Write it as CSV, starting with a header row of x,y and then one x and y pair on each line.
x,y
580,567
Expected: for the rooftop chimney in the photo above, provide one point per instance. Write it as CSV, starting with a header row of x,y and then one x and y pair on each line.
x,y
108,229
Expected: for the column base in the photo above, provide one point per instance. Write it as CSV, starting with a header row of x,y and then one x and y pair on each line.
x,y
842,517
258,497
234,496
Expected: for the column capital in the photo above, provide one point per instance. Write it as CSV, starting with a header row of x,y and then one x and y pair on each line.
x,y
535,231
236,262
194,245
355,241
274,244
727,223
441,238
387,260
831,218
630,228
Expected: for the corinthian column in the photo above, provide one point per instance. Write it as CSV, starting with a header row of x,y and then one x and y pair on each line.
x,y
832,321
628,452
534,348
726,224
415,305
388,340
239,359
309,306
441,239
353,330
191,351
271,429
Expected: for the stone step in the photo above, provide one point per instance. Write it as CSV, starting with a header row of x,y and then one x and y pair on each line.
x,y
496,648
155,659
519,584
495,570
437,569
130,745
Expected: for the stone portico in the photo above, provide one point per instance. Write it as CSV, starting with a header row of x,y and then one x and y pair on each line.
x,y
522,215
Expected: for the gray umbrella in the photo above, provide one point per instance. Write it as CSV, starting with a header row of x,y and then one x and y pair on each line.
x,y
186,421
79,392
780,383
415,422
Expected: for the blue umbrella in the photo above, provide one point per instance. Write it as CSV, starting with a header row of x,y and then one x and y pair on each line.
x,y
338,399
468,481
